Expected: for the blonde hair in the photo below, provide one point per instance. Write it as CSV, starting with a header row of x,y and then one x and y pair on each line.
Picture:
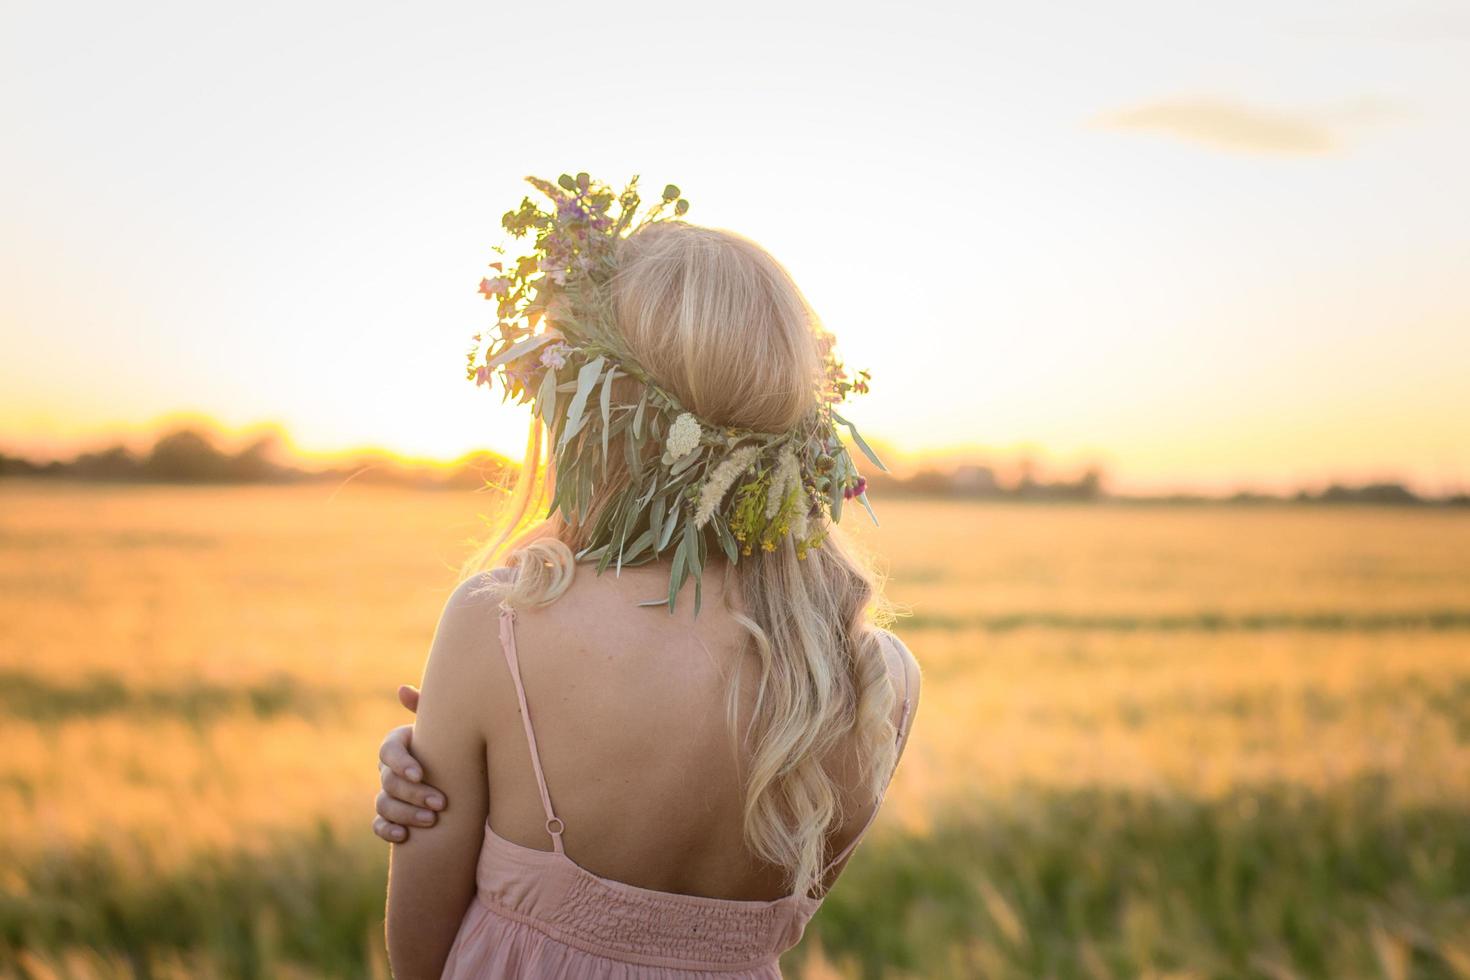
x,y
720,323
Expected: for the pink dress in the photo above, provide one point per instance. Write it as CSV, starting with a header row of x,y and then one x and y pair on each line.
x,y
540,914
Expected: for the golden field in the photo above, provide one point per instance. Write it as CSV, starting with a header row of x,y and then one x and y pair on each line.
x,y
1187,741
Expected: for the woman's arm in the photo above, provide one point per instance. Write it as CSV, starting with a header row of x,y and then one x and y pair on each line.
x,y
432,881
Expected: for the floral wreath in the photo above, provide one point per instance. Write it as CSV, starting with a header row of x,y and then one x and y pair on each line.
x,y
739,488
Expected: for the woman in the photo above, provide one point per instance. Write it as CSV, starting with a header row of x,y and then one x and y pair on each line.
x,y
657,771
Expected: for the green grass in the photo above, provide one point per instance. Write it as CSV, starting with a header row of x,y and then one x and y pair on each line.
x,y
314,901
1271,883
1275,882
29,697
1314,622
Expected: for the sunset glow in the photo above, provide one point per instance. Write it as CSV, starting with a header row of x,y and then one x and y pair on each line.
x,y
1204,248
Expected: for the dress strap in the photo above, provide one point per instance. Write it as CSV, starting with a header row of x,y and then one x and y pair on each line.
x,y
899,736
554,825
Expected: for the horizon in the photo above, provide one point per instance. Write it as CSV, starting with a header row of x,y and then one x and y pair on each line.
x,y
1007,464
1202,250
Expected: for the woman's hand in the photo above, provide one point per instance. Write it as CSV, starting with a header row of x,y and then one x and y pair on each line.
x,y
405,801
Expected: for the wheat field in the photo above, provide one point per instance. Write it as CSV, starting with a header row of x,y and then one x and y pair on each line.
x,y
1187,742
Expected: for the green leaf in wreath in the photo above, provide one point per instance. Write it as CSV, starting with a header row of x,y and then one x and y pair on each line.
x,y
727,540
606,406
691,544
586,378
676,574
671,521
861,443
633,551
684,462
656,523
516,350
633,457
546,401
638,415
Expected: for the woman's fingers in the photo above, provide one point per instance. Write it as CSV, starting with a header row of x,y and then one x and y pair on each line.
x,y
390,832
403,814
408,696
406,800
416,794
394,754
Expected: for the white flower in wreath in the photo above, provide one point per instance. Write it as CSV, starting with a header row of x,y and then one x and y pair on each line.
x,y
683,436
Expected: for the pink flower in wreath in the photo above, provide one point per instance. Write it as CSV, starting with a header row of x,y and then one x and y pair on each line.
x,y
521,371
555,356
498,286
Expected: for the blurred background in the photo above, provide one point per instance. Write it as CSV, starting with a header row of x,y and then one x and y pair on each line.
x,y
1169,321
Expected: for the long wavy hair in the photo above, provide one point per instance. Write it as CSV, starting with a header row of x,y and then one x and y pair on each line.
x,y
722,325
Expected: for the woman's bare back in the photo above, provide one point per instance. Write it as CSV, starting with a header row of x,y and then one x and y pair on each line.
x,y
629,711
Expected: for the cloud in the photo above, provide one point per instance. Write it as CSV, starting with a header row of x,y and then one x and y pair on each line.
x,y
1447,22
1371,111
1226,125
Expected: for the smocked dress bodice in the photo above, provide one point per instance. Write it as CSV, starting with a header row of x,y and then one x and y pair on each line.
x,y
540,914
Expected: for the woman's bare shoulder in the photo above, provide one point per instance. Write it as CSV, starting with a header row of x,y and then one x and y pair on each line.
x,y
466,639
474,601
904,668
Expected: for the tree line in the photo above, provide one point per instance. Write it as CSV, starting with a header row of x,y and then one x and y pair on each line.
x,y
191,455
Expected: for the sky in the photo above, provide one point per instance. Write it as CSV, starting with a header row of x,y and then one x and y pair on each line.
x,y
1204,246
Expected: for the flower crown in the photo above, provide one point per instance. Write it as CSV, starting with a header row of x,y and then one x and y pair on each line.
x,y
555,344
